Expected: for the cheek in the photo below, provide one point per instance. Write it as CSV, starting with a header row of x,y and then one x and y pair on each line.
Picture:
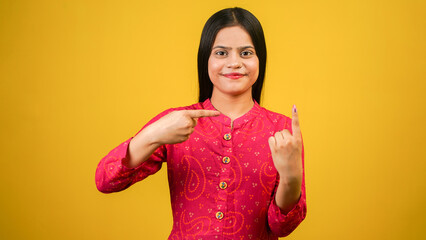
x,y
253,67
214,68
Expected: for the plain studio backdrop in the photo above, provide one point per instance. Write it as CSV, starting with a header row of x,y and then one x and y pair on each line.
x,y
80,77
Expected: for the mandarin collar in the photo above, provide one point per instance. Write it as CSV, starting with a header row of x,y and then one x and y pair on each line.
x,y
223,119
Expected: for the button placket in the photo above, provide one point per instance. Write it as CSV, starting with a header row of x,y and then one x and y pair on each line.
x,y
224,172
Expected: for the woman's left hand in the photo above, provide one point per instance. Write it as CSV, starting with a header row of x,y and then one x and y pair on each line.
x,y
286,149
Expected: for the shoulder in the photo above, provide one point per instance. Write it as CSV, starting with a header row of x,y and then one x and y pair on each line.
x,y
277,119
195,106
169,110
206,105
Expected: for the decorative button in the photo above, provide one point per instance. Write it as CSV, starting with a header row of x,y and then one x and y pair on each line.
x,y
227,136
223,185
226,160
219,215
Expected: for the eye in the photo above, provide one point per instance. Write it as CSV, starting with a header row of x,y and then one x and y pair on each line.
x,y
246,53
221,53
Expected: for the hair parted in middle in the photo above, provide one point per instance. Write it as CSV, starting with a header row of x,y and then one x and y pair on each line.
x,y
227,18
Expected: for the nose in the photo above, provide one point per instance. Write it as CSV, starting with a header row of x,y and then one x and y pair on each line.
x,y
234,61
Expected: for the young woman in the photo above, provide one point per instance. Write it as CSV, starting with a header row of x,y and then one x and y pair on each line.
x,y
235,169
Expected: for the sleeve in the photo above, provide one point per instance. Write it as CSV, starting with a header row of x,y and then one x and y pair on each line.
x,y
113,176
281,223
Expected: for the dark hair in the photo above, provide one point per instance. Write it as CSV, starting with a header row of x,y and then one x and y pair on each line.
x,y
226,18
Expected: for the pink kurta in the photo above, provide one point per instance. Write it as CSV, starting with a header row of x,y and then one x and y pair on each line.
x,y
222,180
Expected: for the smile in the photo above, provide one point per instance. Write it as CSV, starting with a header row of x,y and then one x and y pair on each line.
x,y
234,75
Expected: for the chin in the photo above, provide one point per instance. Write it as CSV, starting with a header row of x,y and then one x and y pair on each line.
x,y
235,93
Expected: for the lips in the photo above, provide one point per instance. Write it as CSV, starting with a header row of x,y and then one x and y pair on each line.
x,y
233,75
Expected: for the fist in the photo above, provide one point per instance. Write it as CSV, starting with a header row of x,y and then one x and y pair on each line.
x,y
286,149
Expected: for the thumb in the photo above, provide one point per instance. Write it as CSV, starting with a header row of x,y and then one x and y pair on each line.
x,y
272,143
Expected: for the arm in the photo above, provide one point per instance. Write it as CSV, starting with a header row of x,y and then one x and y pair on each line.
x,y
112,175
116,171
288,205
142,155
283,221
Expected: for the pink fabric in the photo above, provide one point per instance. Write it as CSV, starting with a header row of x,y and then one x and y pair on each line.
x,y
196,170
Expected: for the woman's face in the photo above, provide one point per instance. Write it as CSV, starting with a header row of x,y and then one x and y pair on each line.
x,y
233,64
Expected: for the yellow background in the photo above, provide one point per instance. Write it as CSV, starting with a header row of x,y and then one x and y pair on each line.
x,y
80,77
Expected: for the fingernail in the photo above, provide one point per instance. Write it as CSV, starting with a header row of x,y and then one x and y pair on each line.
x,y
294,109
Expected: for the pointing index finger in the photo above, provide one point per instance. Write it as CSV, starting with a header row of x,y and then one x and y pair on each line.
x,y
295,123
202,113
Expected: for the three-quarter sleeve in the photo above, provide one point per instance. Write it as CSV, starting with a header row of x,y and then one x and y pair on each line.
x,y
280,223
113,176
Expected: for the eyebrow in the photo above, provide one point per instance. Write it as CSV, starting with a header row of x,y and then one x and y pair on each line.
x,y
228,48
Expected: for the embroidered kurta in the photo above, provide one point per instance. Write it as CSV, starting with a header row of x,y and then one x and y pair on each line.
x,y
222,179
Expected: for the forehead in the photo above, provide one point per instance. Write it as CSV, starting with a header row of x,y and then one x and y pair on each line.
x,y
233,36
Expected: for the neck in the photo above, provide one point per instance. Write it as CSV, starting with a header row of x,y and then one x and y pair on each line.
x,y
232,106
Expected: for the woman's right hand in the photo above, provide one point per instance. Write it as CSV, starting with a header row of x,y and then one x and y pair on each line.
x,y
175,127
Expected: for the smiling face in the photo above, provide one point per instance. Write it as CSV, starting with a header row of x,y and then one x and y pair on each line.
x,y
233,64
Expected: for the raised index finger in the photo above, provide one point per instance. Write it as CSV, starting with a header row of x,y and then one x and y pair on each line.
x,y
295,124
202,113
